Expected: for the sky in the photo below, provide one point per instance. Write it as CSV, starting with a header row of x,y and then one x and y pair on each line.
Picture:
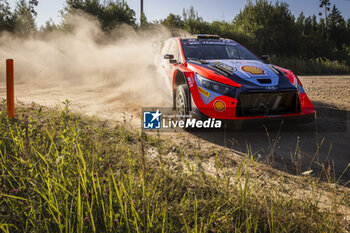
x,y
209,10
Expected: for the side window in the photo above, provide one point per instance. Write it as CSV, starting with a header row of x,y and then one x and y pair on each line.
x,y
177,52
174,49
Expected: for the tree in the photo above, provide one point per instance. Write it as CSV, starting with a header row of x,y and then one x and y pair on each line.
x,y
24,18
143,21
7,18
301,19
348,30
193,23
21,20
271,26
314,22
300,23
325,4
337,28
173,21
32,5
49,26
109,13
335,17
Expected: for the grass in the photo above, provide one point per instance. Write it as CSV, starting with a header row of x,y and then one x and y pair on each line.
x,y
65,172
318,66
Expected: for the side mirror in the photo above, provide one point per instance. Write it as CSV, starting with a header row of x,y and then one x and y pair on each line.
x,y
265,57
168,56
173,61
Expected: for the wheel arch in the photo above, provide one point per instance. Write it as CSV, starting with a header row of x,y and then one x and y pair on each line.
x,y
179,78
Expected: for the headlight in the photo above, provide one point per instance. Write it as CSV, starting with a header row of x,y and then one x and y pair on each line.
x,y
215,86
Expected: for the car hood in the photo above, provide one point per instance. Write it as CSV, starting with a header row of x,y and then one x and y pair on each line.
x,y
248,70
252,74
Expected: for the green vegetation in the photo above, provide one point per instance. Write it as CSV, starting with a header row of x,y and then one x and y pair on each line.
x,y
21,20
263,27
110,13
309,66
306,45
64,172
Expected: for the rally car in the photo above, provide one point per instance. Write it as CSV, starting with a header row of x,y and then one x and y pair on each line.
x,y
219,78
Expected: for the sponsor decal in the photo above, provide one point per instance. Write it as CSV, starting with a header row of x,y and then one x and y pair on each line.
x,y
190,81
253,70
219,106
208,42
151,120
204,92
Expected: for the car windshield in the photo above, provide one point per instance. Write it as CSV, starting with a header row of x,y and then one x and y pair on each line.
x,y
215,49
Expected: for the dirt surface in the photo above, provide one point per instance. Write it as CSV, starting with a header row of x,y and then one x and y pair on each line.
x,y
330,90
322,147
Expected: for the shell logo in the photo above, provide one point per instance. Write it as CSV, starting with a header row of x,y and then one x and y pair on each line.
x,y
219,106
253,70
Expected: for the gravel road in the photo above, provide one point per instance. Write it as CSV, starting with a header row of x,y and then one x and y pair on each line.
x,y
322,147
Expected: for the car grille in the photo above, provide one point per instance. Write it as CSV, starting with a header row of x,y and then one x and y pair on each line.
x,y
262,104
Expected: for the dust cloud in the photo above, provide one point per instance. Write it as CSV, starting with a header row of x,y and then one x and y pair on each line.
x,y
100,74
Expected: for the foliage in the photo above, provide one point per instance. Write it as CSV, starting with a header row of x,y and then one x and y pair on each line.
x,y
311,66
192,22
64,172
21,20
7,17
109,13
32,4
325,5
263,23
337,28
25,17
262,26
49,26
173,21
267,28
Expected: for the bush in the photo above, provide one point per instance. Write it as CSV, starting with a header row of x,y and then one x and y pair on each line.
x,y
318,66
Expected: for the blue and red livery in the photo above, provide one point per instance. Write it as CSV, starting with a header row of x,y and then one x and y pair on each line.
x,y
219,78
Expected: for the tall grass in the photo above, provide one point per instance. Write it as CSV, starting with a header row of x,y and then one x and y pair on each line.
x,y
64,172
317,66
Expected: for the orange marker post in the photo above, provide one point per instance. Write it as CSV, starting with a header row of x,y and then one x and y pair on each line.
x,y
10,89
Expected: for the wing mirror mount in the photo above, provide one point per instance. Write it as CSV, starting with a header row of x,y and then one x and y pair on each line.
x,y
168,56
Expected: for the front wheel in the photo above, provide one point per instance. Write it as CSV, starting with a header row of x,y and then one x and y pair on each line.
x,y
181,101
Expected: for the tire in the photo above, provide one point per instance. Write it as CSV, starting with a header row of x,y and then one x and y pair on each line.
x,y
181,101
